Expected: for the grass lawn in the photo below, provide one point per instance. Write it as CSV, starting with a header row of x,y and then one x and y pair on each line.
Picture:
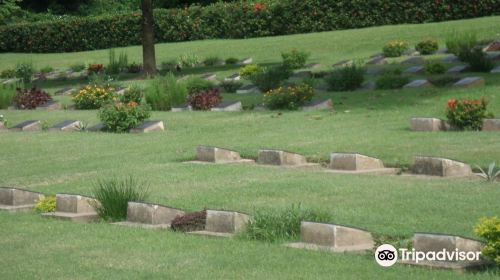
x,y
373,123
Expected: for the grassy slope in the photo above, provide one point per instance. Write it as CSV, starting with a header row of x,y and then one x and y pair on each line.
x,y
374,123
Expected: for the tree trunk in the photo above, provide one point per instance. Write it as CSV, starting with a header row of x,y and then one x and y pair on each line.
x,y
148,38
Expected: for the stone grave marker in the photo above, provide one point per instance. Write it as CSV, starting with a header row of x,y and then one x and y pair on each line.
x,y
374,71
313,66
440,167
335,238
97,128
65,91
50,105
491,125
427,124
150,216
10,81
450,58
209,77
414,60
208,154
76,208
245,61
357,163
326,104
281,158
377,61
182,108
493,56
228,106
414,70
67,126
495,70
457,69
302,74
149,126
421,83
246,89
343,63
28,126
17,200
224,223
470,82
442,50
233,78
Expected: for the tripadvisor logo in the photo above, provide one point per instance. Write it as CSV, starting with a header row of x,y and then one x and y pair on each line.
x,y
387,255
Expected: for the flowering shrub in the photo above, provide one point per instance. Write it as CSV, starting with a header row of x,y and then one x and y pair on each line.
x,y
427,46
250,70
121,117
30,98
290,98
93,97
46,204
489,229
395,48
134,93
466,114
205,99
95,68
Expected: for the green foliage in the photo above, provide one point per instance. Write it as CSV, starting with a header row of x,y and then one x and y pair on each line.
x,y
427,46
250,70
93,96
231,86
391,81
295,59
8,73
77,67
460,43
116,65
121,117
134,93
477,60
165,92
197,84
271,77
46,204
231,61
6,97
435,67
47,69
25,71
281,224
114,194
489,229
443,81
212,60
9,10
347,78
395,48
289,98
491,174
189,60
466,114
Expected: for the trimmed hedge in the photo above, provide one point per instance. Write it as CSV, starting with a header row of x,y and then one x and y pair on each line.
x,y
234,20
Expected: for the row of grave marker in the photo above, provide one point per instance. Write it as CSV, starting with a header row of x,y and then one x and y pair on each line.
x,y
219,223
435,124
72,126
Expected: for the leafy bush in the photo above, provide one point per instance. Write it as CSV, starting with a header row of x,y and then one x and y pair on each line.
x,y
46,204
282,224
391,81
190,222
250,70
466,114
114,195
95,68
77,67
46,69
189,60
8,74
134,68
395,48
6,97
290,98
231,86
134,93
435,67
165,92
25,71
116,65
489,229
231,61
121,117
295,59
93,96
212,61
271,78
30,98
443,81
347,78
427,46
196,84
205,99
477,60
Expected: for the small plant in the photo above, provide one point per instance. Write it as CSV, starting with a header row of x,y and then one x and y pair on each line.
x,y
443,81
489,229
189,60
205,100
46,69
460,43
2,119
93,96
190,222
24,72
347,78
395,48
116,65
250,70
77,67
466,114
134,93
427,46
114,195
290,98
492,173
231,86
165,92
6,97
121,117
231,61
169,64
435,67
134,68
95,68
295,59
8,74
271,78
30,98
197,84
478,60
212,61
391,81
281,225
46,205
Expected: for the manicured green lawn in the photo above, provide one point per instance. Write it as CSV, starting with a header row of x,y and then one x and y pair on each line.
x,y
373,123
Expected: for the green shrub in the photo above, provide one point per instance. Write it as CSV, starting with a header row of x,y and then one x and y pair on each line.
x,y
121,117
116,65
231,61
391,81
165,92
196,84
114,195
347,78
295,59
489,229
271,78
78,67
46,69
460,43
435,67
8,73
6,97
427,46
250,70
281,224
443,81
231,86
46,205
477,60
289,98
212,61
134,93
189,60
25,71
466,114
395,48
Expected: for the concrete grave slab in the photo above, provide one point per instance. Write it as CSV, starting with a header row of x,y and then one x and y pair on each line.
x,y
377,61
427,124
65,91
281,158
150,216
357,163
450,59
208,154
470,82
149,126
495,56
245,61
343,63
50,105
28,126
18,200
443,167
233,78
67,126
97,128
495,70
457,69
209,77
10,81
374,71
228,106
76,208
491,125
326,104
223,223
414,60
182,108
422,83
246,89
335,238
414,70
313,66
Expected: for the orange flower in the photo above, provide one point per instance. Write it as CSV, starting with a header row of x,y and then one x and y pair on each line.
x,y
132,104
259,7
452,103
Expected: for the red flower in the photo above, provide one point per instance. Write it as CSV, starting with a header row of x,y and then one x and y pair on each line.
x,y
452,103
259,7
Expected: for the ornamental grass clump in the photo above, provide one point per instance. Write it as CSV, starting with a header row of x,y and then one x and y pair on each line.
x,y
289,98
466,114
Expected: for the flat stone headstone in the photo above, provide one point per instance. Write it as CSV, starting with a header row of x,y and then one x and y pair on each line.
x,y
374,71
495,70
67,126
354,162
343,63
457,69
149,126
377,61
450,59
491,125
228,106
9,81
97,128
233,78
76,208
224,223
414,60
28,126
281,158
493,56
245,61
443,167
414,70
336,238
246,89
326,104
151,216
313,66
427,124
50,105
470,82
17,200
209,77
65,91
216,155
419,84
182,108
